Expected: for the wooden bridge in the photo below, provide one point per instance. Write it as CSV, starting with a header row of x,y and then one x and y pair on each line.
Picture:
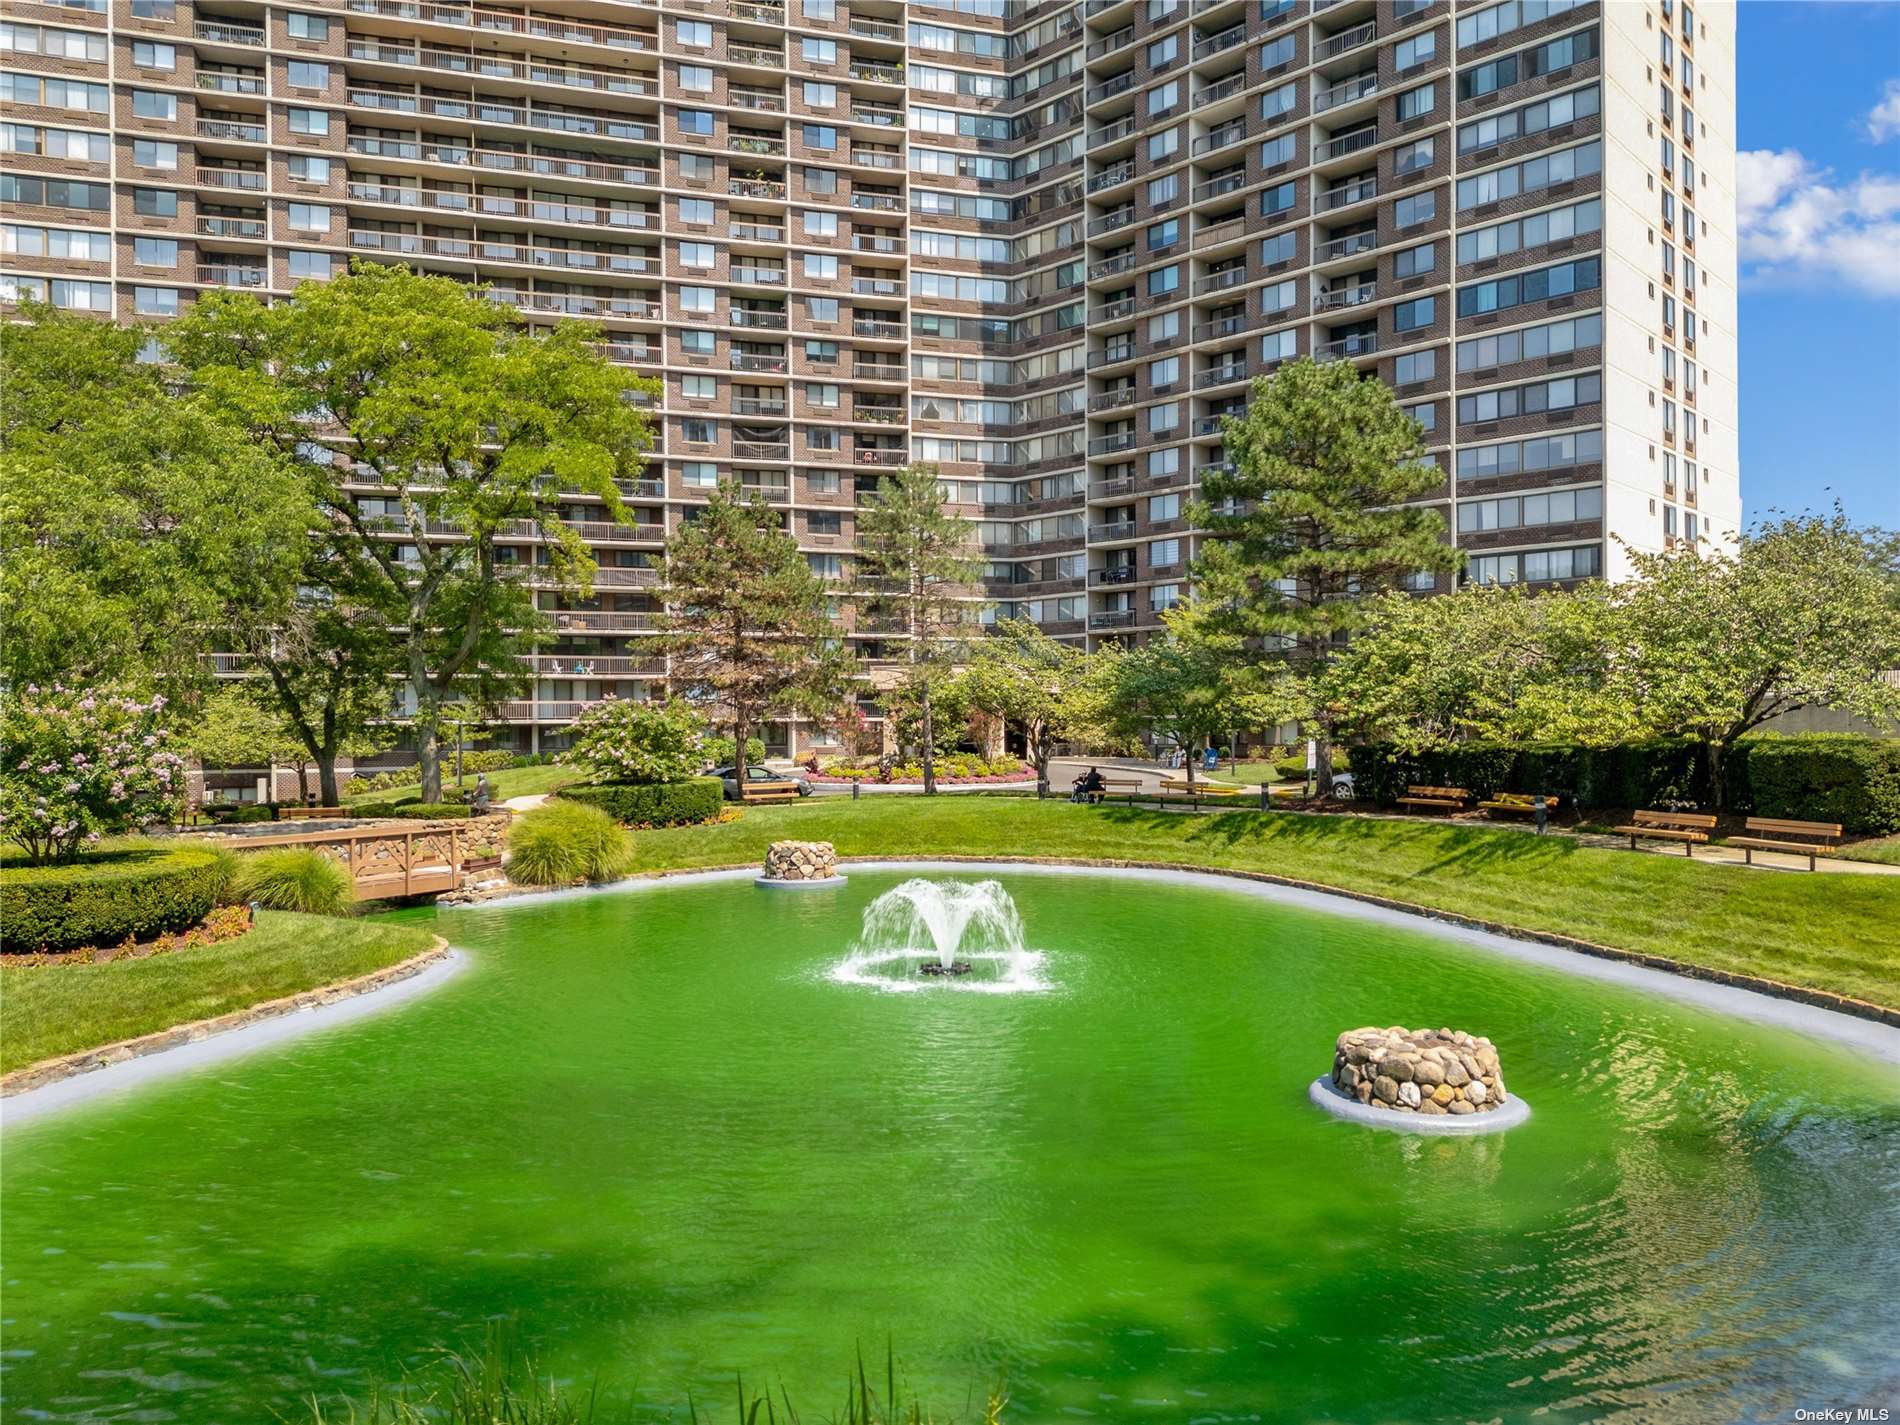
x,y
384,862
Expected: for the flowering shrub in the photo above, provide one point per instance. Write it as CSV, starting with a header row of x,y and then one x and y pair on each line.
x,y
957,769
622,741
76,766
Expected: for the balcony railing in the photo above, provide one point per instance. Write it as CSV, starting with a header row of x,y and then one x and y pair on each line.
x,y
1121,129
1108,44
757,361
1214,44
231,227
1347,246
1347,143
1364,344
1358,87
755,187
1345,297
1335,45
1109,444
1221,375
231,275
215,33
1220,138
1109,266
1109,177
1218,187
1112,618
876,371
1220,281
758,276
1348,193
249,179
770,321
1113,529
1227,88
1112,400
221,83
882,331
876,73
227,129
879,455
748,143
1111,222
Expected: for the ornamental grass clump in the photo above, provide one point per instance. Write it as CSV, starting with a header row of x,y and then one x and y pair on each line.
x,y
297,879
561,842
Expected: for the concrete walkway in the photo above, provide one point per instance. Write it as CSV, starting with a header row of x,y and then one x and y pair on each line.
x,y
527,803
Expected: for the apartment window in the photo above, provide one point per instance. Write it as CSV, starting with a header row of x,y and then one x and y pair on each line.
x,y
821,393
150,54
1164,279
699,388
150,153
1278,298
1277,199
1164,51
818,223
1412,157
1425,413
821,266
817,51
821,309
155,252
1163,463
148,104
1278,248
1164,553
307,27
1416,103
1419,366
155,202
1275,152
822,482
822,438
310,217
309,121
821,136
53,143
1279,346
1164,372
1410,316
1165,417
1415,261
696,299
820,96
1164,97
1164,144
1413,52
1585,274
699,474
155,301
311,266
1164,234
1562,394
75,244
696,121
307,74
1277,102
697,430
1275,53
696,210
693,34
308,168
820,180
1530,343
823,11
1164,507
821,353
1165,326
1419,208
1163,190
696,78
696,343
154,9
1557,225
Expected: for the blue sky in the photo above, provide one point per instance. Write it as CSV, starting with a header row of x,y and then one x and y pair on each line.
x,y
1818,184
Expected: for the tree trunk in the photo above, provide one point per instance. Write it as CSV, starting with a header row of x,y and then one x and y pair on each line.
x,y
303,781
741,729
930,745
1718,794
1323,766
429,754
1193,755
326,780
1038,750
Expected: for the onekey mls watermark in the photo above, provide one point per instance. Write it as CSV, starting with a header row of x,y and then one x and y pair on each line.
x,y
1845,1414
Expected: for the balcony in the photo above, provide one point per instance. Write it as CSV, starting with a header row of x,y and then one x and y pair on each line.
x,y
1112,618
1112,222
1335,45
230,275
758,361
1220,327
878,202
1220,281
1109,177
1344,196
877,287
761,450
232,227
1226,89
1110,87
880,331
248,179
875,158
879,455
1230,182
756,232
868,29
1112,574
1225,40
873,114
878,415
755,187
874,73
1339,297
758,276
1345,92
756,54
213,32
753,144
1113,529
1221,375
1347,246
764,14
1112,400
1230,133
768,321
1109,444
1346,347
878,243
1121,129
876,371
220,82
1347,143
1109,355
1109,266
757,103
230,129
752,406
1108,44
1113,311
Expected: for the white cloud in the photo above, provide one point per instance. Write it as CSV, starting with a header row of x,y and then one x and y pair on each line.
x,y
1800,224
1883,120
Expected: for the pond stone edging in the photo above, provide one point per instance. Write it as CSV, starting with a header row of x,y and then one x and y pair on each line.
x,y
49,1071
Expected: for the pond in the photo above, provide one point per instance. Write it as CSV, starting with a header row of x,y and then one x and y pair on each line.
x,y
665,1137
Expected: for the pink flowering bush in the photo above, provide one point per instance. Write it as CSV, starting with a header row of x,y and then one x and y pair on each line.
x,y
624,741
76,766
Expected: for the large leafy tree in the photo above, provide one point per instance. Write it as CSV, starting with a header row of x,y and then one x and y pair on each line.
x,y
1486,662
1314,519
1052,690
748,623
1804,612
470,428
137,522
1192,684
917,573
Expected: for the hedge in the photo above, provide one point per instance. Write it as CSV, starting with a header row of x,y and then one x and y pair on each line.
x,y
653,804
1824,777
415,811
136,891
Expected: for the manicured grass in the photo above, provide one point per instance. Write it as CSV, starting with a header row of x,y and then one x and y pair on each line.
x,y
48,1010
1249,774
514,782
1883,850
1831,932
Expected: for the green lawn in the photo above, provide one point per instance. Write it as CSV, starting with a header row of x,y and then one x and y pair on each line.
x,y
1248,774
515,782
1884,850
1832,932
59,1009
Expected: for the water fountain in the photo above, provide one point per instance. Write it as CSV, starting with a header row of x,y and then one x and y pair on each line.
x,y
965,934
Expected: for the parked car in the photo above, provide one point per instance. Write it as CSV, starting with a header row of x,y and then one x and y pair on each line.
x,y
757,777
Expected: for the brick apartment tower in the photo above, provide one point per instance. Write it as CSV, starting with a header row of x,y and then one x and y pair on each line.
x,y
1045,246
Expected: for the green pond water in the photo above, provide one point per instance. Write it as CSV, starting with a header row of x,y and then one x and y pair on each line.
x,y
648,1130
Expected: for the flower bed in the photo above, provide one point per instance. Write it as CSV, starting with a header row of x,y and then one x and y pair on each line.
x,y
959,771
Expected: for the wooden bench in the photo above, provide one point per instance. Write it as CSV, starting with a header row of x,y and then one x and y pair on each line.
x,y
1822,836
770,792
1515,804
306,813
1128,787
1690,828
1444,798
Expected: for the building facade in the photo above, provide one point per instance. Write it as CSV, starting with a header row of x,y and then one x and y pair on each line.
x,y
1043,246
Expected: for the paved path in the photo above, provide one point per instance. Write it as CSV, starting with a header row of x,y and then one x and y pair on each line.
x,y
526,803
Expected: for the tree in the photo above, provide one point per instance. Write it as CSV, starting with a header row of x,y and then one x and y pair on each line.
x,y
1806,612
1314,519
472,428
1192,684
916,570
747,621
82,765
136,520
1050,689
240,725
624,741
1487,662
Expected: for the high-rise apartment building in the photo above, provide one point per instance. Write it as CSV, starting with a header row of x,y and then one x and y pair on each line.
x,y
1044,246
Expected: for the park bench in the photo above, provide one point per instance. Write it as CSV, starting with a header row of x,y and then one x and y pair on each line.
x,y
1821,837
289,813
1128,787
1179,789
1690,828
770,792
1515,804
1448,799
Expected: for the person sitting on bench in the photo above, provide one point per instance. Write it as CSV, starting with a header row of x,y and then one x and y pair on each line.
x,y
1089,787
